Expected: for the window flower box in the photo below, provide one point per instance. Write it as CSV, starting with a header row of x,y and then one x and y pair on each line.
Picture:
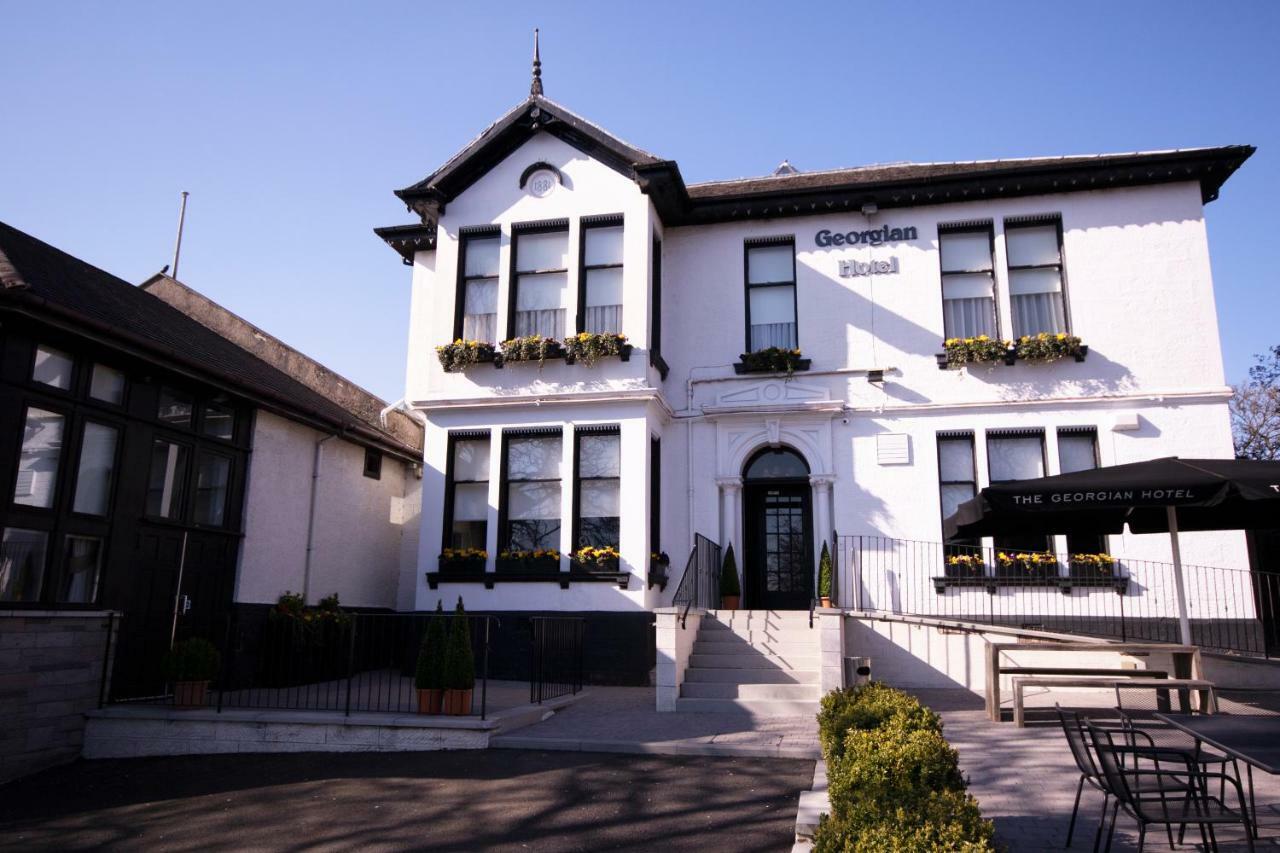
x,y
659,567
965,566
529,348
463,561
979,350
459,355
771,360
590,347
1047,347
589,559
540,562
1028,565
1092,566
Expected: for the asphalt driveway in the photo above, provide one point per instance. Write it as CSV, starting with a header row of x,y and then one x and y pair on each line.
x,y
475,800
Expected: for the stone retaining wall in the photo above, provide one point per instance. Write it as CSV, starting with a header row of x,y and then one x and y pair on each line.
x,y
50,675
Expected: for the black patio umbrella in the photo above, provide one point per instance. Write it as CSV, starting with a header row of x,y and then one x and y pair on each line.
x,y
1157,496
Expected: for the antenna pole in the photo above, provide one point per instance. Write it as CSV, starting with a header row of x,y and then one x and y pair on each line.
x,y
177,246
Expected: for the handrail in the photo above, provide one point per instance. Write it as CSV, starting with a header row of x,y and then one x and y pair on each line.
x,y
700,584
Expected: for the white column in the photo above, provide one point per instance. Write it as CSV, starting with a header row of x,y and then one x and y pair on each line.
x,y
730,514
821,516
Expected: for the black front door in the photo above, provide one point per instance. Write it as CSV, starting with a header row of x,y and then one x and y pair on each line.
x,y
778,563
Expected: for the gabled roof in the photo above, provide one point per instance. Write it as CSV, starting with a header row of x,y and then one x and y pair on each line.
x,y
45,282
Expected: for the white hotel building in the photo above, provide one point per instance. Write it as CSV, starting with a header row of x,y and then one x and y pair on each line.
x,y
547,223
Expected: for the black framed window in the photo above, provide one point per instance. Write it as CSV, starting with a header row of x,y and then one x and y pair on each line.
x,y
106,385
40,458
655,495
957,481
540,279
1037,294
53,367
96,470
167,480
466,507
476,317
82,566
175,408
771,293
597,486
213,482
372,464
218,420
531,483
1017,454
600,275
23,554
966,253
1078,451
655,308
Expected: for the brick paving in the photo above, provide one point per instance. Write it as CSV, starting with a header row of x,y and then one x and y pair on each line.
x,y
1025,780
624,719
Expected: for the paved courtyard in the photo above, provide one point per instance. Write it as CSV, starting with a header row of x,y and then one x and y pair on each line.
x,y
479,800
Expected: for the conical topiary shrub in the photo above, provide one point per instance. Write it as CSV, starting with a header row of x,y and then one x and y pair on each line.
x,y
429,675
459,665
824,576
730,589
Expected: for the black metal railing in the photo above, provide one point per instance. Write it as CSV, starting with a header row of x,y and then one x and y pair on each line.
x,y
700,584
355,663
1229,609
555,667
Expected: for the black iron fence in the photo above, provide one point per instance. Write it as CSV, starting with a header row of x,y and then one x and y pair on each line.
x,y
555,667
700,584
1136,600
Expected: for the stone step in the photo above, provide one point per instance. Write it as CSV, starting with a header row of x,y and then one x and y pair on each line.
x,y
767,647
703,690
751,676
800,619
755,660
756,707
729,632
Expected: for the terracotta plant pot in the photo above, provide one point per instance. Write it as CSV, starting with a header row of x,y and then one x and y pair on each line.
x,y
190,694
825,602
429,701
729,602
457,703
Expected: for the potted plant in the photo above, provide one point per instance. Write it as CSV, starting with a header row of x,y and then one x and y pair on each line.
x,y
1093,566
592,559
189,666
1032,564
824,577
459,355
965,566
976,350
459,666
463,560
730,591
590,347
529,348
429,676
1047,347
658,566
541,561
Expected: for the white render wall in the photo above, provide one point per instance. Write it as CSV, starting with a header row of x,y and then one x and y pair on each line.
x,y
363,527
1139,292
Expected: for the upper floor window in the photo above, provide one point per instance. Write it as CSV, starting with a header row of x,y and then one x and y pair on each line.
x,y
541,280
968,281
372,464
107,384
1034,247
175,408
600,284
52,367
477,319
771,293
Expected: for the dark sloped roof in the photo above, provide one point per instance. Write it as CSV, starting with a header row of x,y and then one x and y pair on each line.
x,y
63,285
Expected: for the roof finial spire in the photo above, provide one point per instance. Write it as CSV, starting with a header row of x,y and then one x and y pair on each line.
x,y
536,87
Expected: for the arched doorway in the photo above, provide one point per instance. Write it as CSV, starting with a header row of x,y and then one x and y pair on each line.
x,y
777,505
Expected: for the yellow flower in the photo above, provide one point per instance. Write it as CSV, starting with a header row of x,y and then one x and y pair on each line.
x,y
1062,336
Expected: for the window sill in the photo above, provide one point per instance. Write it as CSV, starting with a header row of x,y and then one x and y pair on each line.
x,y
1119,585
740,368
945,363
622,579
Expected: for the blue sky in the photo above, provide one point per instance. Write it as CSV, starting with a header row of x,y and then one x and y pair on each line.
x,y
291,123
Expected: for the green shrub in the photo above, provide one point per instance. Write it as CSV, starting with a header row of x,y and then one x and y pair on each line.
x,y
894,781
824,573
459,663
430,671
729,575
192,660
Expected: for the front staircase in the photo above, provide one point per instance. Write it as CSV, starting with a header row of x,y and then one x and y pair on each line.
x,y
760,661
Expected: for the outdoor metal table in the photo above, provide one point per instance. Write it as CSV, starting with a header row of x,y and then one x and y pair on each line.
x,y
1255,740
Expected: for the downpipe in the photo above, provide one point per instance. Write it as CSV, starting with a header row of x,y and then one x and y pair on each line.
x,y
311,517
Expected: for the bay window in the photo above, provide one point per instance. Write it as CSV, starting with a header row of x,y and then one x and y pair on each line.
x,y
771,293
600,281
598,494
1017,454
466,523
531,490
540,262
1034,248
477,316
38,462
968,280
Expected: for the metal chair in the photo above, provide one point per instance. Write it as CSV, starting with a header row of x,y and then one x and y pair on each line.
x,y
1139,778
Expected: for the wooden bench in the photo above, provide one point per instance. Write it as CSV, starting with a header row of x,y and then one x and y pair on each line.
x,y
1082,671
1162,686
1186,661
